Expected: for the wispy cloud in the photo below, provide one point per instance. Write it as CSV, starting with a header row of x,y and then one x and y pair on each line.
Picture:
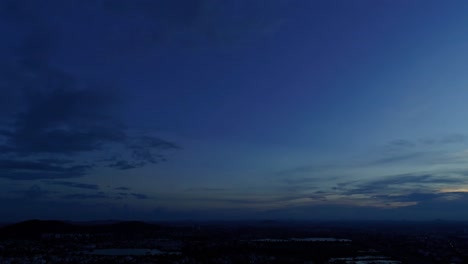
x,y
399,158
448,139
161,22
84,196
139,196
403,182
32,170
74,185
206,190
125,165
34,192
58,114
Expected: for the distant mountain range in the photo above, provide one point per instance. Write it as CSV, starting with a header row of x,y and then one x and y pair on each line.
x,y
35,228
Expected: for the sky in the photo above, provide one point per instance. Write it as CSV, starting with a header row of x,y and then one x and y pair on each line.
x,y
229,110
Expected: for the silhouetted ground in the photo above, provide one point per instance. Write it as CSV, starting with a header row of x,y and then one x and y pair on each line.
x,y
38,241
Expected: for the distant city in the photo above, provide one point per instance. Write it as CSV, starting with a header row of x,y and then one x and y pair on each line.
x,y
385,242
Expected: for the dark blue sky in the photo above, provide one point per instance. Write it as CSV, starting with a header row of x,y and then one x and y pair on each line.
x,y
209,109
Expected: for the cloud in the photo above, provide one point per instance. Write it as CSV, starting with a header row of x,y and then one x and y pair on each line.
x,y
253,199
56,161
84,196
401,188
399,158
392,191
404,144
55,119
125,165
143,149
64,121
138,26
75,185
122,188
411,197
310,177
32,170
193,22
34,166
451,139
402,179
299,171
429,209
206,189
57,115
34,192
139,196
423,197
427,150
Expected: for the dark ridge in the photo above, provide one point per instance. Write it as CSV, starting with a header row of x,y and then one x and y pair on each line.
x,y
124,227
33,229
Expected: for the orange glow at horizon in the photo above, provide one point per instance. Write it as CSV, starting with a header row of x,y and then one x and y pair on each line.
x,y
454,190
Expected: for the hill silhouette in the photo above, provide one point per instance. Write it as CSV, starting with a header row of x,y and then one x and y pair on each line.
x,y
36,228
